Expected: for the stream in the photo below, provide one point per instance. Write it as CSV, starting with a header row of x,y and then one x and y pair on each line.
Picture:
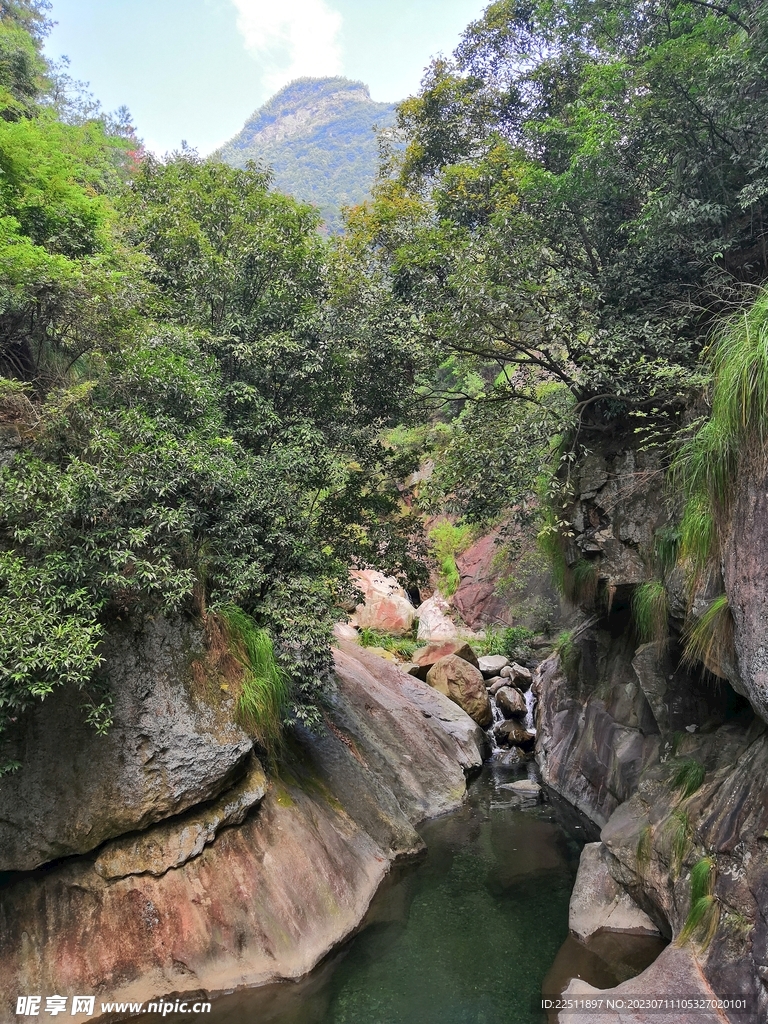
x,y
467,935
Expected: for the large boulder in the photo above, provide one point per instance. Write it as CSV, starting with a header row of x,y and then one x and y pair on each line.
x,y
385,604
425,657
511,702
464,684
435,623
598,903
173,744
492,664
513,734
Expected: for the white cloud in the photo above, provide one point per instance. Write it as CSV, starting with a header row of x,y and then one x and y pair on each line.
x,y
291,38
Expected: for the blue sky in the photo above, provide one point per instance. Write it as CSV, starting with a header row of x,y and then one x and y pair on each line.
x,y
196,69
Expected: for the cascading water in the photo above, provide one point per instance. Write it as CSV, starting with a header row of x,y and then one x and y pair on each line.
x,y
530,706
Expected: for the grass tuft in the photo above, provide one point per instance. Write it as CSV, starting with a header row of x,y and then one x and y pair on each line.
x,y
263,696
679,826
644,848
706,464
566,649
704,915
401,645
710,637
688,776
650,608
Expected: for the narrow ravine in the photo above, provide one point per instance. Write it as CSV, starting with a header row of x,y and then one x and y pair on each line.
x,y
466,936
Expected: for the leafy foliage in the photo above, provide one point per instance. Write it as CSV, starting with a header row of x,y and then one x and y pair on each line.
x,y
448,540
403,646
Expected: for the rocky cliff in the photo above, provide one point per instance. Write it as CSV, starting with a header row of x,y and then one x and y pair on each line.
x,y
165,860
668,759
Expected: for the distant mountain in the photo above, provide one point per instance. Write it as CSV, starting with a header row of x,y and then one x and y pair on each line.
x,y
317,135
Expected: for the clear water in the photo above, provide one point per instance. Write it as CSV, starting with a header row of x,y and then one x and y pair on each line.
x,y
466,936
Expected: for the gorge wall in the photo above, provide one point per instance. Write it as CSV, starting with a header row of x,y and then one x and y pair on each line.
x,y
163,859
670,761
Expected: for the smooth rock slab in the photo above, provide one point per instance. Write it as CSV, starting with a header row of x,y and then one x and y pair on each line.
x,y
525,792
598,903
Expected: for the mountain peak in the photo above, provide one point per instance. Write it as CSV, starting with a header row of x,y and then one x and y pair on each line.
x,y
317,134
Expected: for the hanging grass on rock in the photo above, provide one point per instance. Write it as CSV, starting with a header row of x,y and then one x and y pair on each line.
x,y
263,697
710,637
650,608
704,915
707,463
688,775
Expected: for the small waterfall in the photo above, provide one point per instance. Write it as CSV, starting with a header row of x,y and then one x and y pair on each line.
x,y
530,703
497,717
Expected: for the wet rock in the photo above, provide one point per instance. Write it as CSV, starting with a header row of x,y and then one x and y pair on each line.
x,y
492,664
599,903
494,680
524,793
511,702
435,623
172,745
426,657
172,843
512,734
385,604
464,684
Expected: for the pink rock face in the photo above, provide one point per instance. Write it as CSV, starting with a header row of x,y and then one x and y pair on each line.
x,y
465,686
476,599
385,605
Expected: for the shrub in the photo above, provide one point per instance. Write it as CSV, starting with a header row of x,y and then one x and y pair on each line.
x,y
403,646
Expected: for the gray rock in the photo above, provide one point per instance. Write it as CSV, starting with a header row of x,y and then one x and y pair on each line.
x,y
524,793
172,843
492,664
494,685
599,903
511,702
512,734
172,745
